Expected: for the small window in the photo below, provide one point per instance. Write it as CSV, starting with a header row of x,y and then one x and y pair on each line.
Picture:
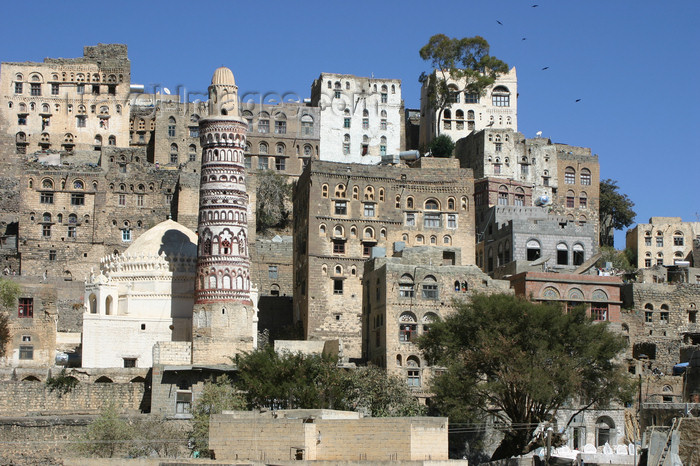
x,y
337,286
25,308
26,352
77,199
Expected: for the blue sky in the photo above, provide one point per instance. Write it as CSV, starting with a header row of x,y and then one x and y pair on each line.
x,y
634,64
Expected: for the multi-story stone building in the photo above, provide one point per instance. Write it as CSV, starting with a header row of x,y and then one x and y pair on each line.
x,y
663,241
73,215
168,128
467,113
281,137
512,170
361,118
342,211
516,239
68,103
404,294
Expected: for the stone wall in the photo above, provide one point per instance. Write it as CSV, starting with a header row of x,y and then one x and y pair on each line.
x,y
368,439
36,398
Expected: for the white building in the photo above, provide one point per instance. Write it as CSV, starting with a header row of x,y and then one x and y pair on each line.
x,y
141,297
361,118
467,113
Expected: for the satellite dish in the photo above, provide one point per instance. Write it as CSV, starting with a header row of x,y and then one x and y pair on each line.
x,y
539,261
539,134
543,200
166,91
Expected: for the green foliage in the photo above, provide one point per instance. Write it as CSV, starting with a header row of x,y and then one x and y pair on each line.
x,y
216,397
273,194
9,291
524,360
62,383
372,391
454,61
442,146
615,211
108,435
620,259
291,381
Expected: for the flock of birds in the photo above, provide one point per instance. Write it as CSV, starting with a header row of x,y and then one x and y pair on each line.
x,y
525,38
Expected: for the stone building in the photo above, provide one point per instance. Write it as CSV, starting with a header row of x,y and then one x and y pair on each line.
x,y
139,298
282,137
168,128
600,294
342,211
32,327
663,241
467,113
361,118
67,103
404,294
75,210
661,320
512,170
516,239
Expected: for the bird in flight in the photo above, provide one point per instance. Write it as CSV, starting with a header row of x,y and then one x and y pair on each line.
x,y
524,38
535,6
499,22
578,100
545,68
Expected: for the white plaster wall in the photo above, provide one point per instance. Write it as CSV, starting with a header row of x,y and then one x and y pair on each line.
x,y
109,339
358,97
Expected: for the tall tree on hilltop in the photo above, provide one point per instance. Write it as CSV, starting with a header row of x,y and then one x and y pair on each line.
x,y
465,63
520,361
615,211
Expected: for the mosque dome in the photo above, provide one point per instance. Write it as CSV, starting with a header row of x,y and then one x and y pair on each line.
x,y
223,76
167,237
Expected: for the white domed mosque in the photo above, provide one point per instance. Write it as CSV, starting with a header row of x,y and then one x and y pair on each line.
x,y
176,299
140,297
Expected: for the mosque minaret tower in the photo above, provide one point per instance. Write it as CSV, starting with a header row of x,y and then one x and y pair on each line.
x,y
224,316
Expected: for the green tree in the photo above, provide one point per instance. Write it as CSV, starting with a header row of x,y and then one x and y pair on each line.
x,y
273,194
520,361
108,435
290,380
464,63
621,260
614,212
372,391
216,397
9,291
442,146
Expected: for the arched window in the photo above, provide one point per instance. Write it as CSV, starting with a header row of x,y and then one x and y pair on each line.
x,y
407,327
570,199
173,153
569,175
369,193
340,190
562,254
262,148
533,250
112,141
432,204
324,190
409,202
503,195
500,97
585,177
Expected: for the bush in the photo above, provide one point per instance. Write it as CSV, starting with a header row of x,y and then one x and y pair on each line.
x,y
442,146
